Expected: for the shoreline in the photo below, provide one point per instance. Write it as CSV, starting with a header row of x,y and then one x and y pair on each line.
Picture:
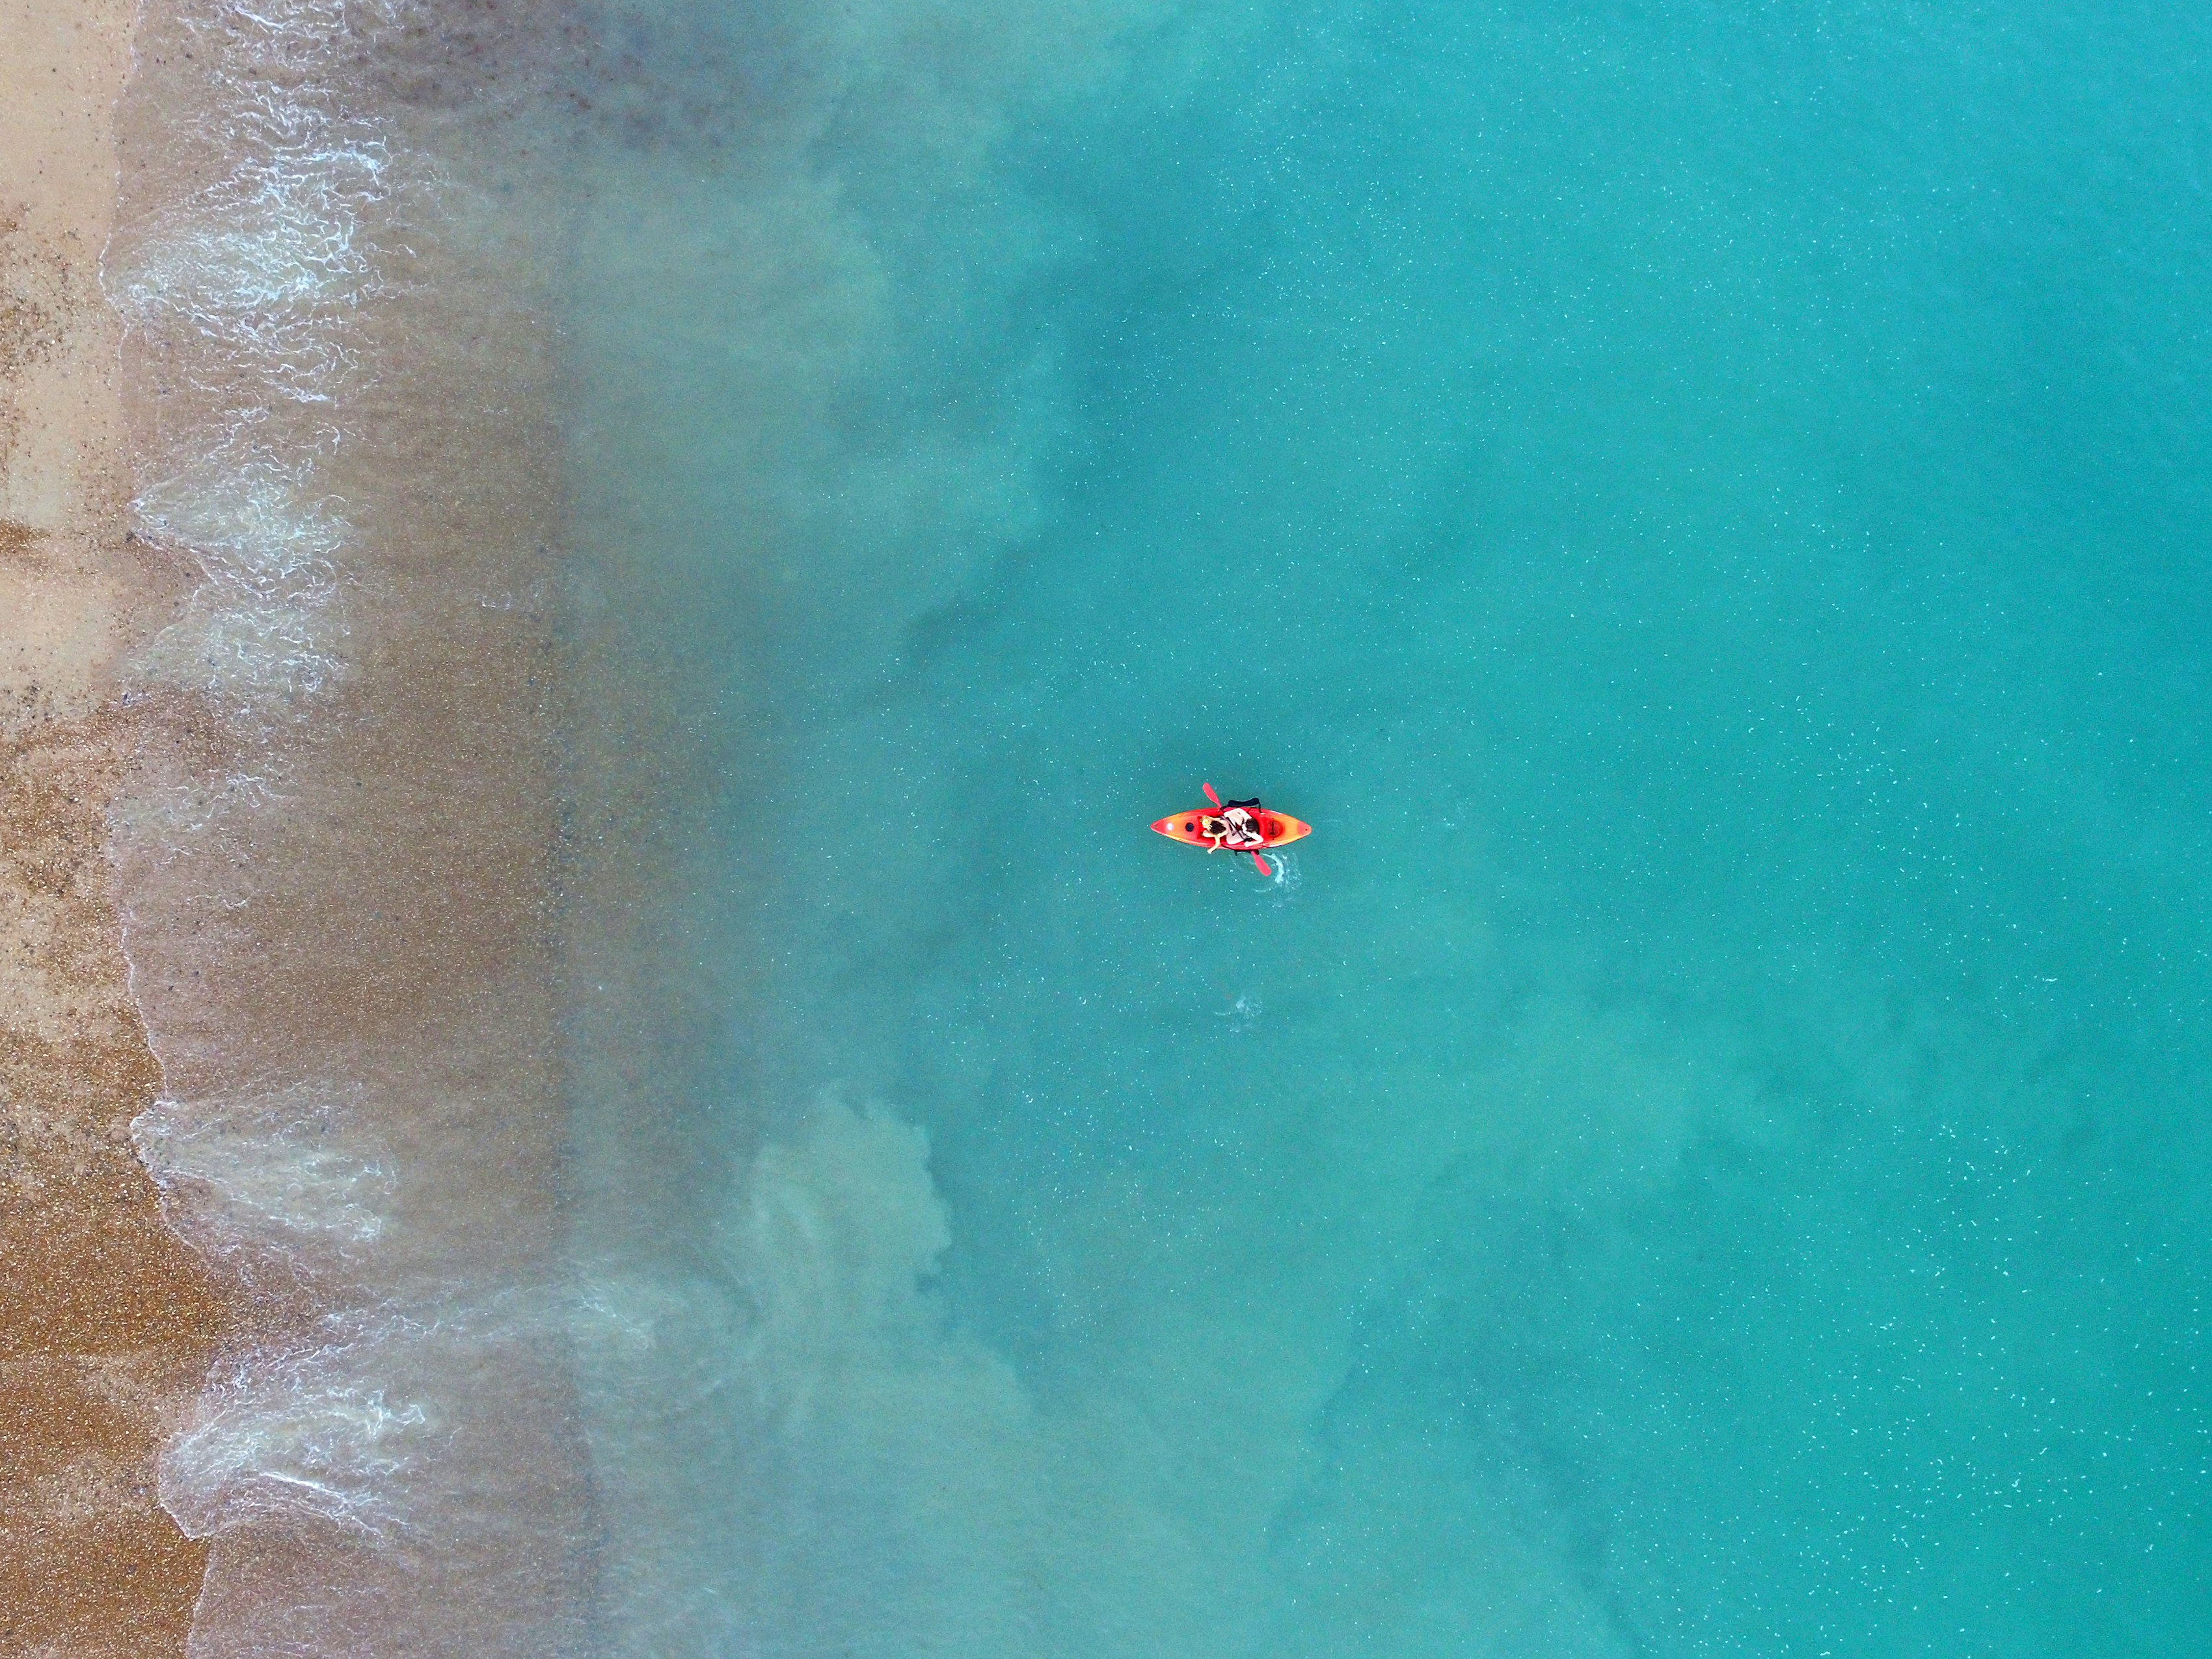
x,y
337,857
109,1317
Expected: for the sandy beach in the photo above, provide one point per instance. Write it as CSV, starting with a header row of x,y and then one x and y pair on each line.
x,y
107,1318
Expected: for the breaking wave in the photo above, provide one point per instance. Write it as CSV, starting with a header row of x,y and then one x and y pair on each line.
x,y
334,854
245,292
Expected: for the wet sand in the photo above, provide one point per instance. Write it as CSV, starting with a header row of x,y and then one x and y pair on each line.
x,y
107,1319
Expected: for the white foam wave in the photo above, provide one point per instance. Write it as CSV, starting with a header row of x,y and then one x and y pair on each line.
x,y
384,1457
252,285
261,631
279,1169
310,1432
266,264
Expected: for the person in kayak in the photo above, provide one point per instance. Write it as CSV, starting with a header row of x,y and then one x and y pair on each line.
x,y
1237,829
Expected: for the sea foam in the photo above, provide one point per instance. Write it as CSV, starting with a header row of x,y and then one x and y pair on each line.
x,y
333,855
248,287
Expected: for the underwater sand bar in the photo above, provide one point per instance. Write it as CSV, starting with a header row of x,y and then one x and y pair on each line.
x,y
106,1319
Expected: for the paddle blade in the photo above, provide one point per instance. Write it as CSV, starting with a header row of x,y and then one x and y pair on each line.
x,y
1262,863
1210,795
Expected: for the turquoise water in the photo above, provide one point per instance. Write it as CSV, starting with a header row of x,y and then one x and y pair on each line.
x,y
1704,509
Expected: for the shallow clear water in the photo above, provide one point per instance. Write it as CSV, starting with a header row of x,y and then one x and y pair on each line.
x,y
1704,509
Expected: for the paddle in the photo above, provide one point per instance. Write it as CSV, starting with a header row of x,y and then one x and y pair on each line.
x,y
1210,795
1262,863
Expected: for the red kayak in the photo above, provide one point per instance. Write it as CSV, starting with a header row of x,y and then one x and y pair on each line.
x,y
1202,827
